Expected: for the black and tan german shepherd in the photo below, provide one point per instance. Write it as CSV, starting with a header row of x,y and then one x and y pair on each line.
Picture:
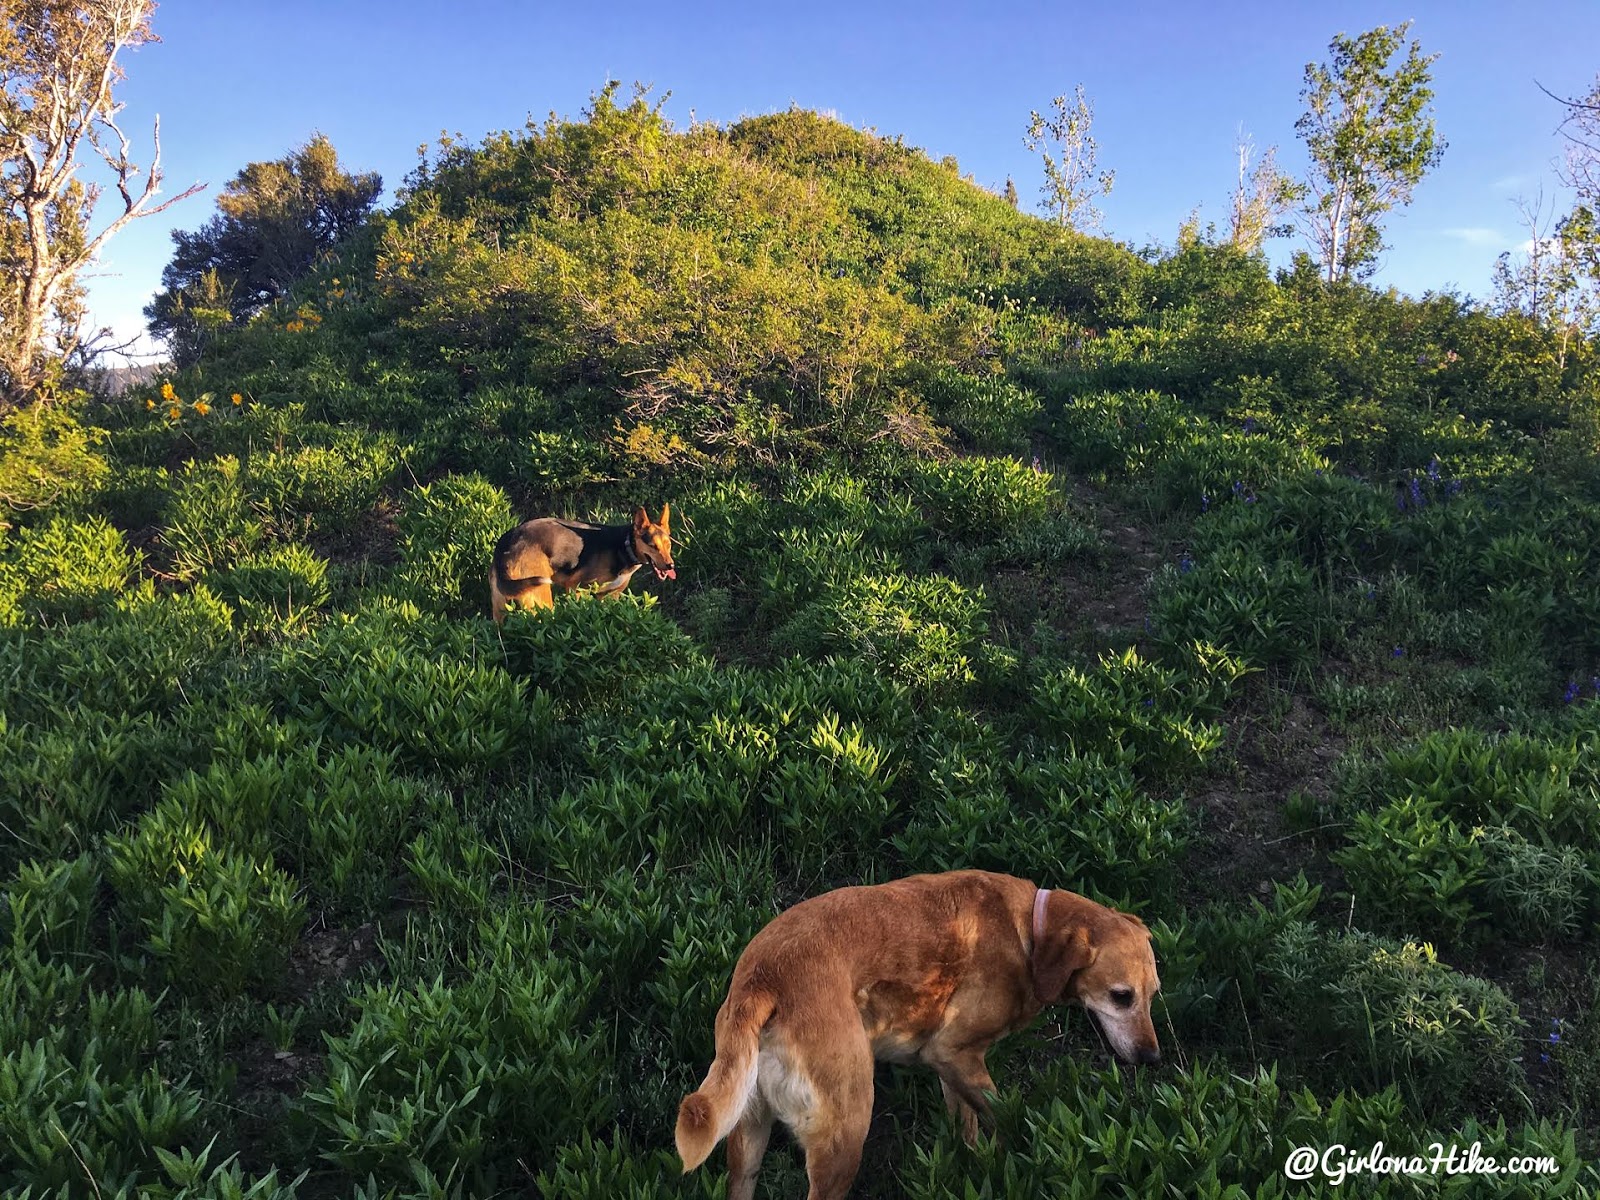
x,y
549,552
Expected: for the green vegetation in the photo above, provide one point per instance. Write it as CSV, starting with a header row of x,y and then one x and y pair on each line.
x,y
1267,607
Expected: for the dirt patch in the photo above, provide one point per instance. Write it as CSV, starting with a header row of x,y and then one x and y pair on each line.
x,y
328,955
1095,602
1281,745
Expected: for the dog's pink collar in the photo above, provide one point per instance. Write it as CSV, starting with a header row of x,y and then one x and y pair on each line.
x,y
1038,917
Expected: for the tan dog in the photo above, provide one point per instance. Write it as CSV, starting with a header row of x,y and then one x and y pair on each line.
x,y
932,968
547,552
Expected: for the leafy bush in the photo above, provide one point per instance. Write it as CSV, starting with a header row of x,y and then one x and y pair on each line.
x,y
437,713
595,649
990,412
1392,1013
448,532
215,920
921,630
62,787
67,568
337,819
47,457
1464,833
136,658
321,489
1061,819
281,587
75,1093
211,523
1134,709
981,499
461,1079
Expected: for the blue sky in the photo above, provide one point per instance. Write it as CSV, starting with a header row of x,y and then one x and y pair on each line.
x,y
243,80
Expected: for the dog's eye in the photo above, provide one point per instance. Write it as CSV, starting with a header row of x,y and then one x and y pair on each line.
x,y
1122,997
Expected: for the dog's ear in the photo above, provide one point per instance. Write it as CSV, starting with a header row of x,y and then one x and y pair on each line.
x,y
666,515
641,519
1064,950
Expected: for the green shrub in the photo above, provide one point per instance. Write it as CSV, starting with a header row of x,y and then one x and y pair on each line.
x,y
76,1094
989,412
559,462
337,819
438,713
1136,709
320,489
280,587
1390,1013
62,787
142,656
1058,818
981,499
47,456
1463,833
923,631
51,908
594,1170
464,1077
1082,1131
1267,610
595,651
448,531
69,568
211,523
215,920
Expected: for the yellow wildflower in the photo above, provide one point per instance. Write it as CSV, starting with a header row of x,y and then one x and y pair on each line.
x,y
237,399
166,391
150,404
202,407
174,413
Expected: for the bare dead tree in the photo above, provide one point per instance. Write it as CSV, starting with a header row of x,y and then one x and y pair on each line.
x,y
1262,196
58,72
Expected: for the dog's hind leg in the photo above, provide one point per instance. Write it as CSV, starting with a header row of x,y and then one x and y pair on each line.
x,y
836,1130
746,1146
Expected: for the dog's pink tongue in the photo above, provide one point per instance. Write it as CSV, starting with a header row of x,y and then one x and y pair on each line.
x,y
669,573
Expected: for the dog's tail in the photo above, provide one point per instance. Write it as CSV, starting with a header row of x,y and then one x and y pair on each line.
x,y
709,1115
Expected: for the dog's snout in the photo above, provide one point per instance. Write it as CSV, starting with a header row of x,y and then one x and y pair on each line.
x,y
1149,1055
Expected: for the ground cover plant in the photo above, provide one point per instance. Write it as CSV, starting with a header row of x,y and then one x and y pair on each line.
x,y
1262,606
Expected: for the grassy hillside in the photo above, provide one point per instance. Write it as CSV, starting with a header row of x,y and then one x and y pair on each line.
x,y
1267,610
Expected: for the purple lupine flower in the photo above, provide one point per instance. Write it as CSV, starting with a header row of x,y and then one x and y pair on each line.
x,y
1186,564
1453,486
1433,469
1571,694
1036,465
1249,424
1372,593
1205,502
1238,486
1398,652
1595,683
1417,498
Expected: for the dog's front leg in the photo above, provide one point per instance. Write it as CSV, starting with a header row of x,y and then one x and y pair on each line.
x,y
961,1111
965,1080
